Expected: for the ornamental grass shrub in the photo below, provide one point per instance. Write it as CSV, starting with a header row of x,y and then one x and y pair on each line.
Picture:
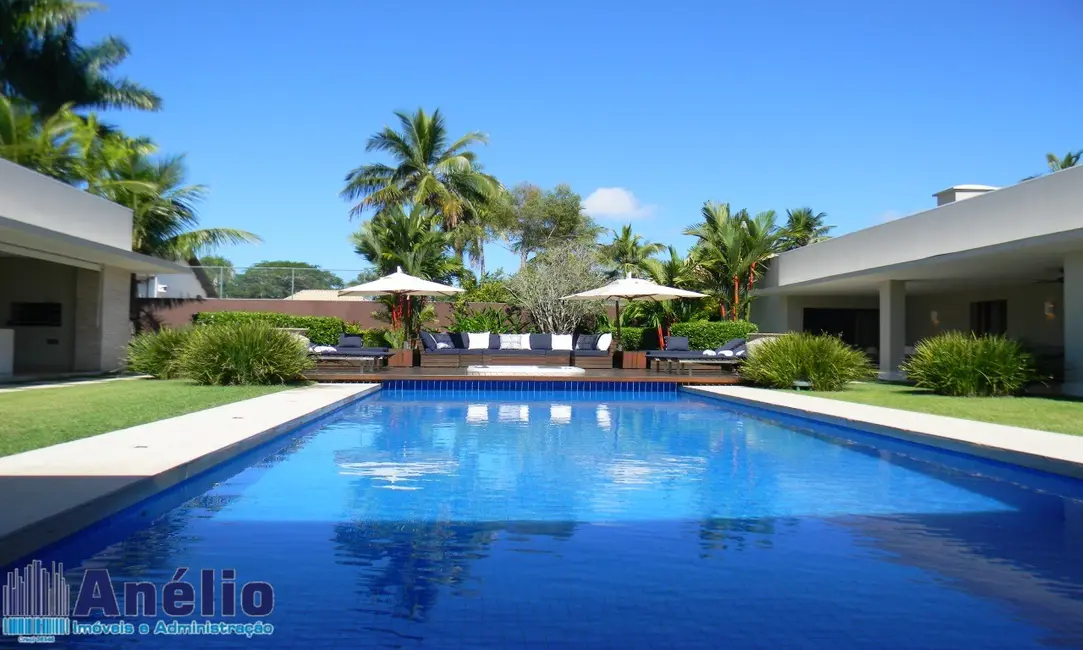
x,y
243,353
965,365
157,353
825,362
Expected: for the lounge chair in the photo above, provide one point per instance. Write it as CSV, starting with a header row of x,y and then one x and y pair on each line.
x,y
729,354
351,347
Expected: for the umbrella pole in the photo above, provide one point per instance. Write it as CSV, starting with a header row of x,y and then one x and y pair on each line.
x,y
620,345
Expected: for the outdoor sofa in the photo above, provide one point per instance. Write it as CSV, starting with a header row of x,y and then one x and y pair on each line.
x,y
731,354
454,350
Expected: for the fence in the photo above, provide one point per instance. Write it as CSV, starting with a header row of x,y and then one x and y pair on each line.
x,y
267,283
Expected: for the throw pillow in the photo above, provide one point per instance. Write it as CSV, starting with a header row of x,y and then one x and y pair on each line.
x,y
604,341
443,345
443,340
477,341
514,341
349,341
677,343
562,342
428,340
541,341
587,342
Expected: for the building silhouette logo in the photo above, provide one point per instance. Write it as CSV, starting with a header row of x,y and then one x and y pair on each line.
x,y
36,601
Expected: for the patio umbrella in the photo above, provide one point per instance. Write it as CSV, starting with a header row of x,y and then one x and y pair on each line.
x,y
629,288
400,284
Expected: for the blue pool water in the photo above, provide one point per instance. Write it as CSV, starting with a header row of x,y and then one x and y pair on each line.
x,y
455,519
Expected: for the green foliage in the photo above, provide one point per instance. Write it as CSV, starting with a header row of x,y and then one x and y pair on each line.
x,y
966,365
707,335
157,353
322,330
280,279
496,320
540,220
826,362
637,338
244,353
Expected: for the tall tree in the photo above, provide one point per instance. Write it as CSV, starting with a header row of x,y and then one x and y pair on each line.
x,y
425,170
804,227
540,286
281,279
42,62
731,252
541,220
629,252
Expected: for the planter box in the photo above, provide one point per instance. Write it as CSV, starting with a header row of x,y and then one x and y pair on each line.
x,y
402,359
636,360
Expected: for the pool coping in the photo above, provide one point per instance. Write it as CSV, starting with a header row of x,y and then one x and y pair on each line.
x,y
53,492
1053,453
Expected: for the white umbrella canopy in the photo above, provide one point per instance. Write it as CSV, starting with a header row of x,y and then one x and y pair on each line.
x,y
400,284
629,288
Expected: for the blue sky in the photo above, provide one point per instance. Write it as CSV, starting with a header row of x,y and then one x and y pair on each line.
x,y
859,109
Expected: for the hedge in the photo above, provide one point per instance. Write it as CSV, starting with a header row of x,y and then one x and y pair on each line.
x,y
707,335
322,330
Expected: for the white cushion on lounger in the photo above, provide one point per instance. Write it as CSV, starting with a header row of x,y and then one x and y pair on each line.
x,y
562,342
709,353
514,341
726,353
477,340
323,348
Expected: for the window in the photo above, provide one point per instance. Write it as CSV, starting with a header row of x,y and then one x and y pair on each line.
x,y
989,317
35,314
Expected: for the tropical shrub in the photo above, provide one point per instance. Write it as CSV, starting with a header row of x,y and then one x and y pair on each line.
x,y
707,335
497,320
636,338
966,365
825,362
157,353
243,353
322,330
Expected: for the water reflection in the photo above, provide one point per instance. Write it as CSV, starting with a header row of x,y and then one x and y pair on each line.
x,y
608,522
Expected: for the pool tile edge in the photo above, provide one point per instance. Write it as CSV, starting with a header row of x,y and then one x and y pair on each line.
x,y
31,525
1060,454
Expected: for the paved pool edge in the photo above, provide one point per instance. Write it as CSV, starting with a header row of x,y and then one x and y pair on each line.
x,y
1054,453
53,492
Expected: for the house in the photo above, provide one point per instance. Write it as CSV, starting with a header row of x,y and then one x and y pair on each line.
x,y
324,294
66,264
192,284
985,259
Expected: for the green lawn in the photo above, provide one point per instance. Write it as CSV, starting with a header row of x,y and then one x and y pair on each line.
x,y
46,416
1047,414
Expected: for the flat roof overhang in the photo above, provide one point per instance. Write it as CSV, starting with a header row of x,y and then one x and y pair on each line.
x,y
27,240
1018,262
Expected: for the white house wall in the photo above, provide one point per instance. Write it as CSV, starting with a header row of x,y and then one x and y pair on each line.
x,y
38,200
1040,207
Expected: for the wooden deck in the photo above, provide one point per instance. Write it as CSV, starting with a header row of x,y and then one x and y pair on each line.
x,y
715,377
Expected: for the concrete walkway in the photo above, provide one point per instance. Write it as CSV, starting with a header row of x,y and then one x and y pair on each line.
x,y
1057,453
53,492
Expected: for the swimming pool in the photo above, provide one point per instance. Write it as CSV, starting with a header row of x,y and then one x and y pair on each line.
x,y
610,519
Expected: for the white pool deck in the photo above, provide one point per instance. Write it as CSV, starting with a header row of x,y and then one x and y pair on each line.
x,y
1056,453
52,492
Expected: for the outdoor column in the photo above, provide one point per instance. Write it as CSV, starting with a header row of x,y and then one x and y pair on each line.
x,y
892,327
1072,310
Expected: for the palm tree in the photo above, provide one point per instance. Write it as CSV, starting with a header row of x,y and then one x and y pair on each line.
x,y
804,227
44,145
407,239
425,171
41,61
1070,159
672,271
629,252
731,252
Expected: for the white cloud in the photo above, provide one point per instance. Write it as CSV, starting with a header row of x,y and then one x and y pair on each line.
x,y
890,215
615,203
